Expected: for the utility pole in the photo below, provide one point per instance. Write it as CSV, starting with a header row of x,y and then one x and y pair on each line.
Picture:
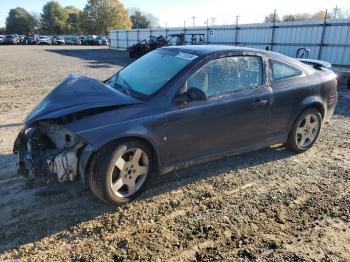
x,y
273,29
236,31
335,11
212,21
194,20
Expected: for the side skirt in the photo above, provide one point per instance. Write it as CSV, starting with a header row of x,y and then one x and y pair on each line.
x,y
237,151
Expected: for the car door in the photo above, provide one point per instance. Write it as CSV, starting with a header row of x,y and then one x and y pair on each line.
x,y
235,115
289,89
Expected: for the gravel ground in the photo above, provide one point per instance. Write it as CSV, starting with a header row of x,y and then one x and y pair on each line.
x,y
267,205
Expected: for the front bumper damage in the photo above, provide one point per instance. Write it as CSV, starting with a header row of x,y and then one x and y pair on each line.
x,y
46,149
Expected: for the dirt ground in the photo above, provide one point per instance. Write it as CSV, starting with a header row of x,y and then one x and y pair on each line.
x,y
269,205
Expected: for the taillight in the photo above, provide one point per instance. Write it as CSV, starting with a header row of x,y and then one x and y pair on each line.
x,y
337,82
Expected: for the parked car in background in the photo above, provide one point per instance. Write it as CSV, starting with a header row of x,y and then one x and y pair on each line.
x,y
44,40
101,40
21,39
2,39
173,107
68,40
91,40
59,40
83,40
76,40
28,40
11,40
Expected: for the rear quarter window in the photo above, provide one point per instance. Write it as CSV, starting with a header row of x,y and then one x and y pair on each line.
x,y
282,70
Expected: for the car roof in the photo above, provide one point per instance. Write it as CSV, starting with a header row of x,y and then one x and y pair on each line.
x,y
203,50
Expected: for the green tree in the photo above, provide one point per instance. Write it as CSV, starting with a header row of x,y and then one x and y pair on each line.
x,y
154,21
287,18
297,17
100,16
53,18
270,17
20,21
74,19
321,15
139,21
37,19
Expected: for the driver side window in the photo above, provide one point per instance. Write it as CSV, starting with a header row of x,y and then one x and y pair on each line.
x,y
229,74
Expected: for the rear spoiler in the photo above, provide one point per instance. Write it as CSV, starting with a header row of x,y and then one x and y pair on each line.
x,y
315,63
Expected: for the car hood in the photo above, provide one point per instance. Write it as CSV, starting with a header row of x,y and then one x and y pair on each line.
x,y
75,94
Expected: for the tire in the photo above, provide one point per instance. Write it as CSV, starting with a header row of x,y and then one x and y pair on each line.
x,y
304,132
118,177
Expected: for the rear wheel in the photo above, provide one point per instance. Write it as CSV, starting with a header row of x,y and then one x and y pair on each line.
x,y
121,172
305,131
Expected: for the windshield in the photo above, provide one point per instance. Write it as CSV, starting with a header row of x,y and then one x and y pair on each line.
x,y
151,72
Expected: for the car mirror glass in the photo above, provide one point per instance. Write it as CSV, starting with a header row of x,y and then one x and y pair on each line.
x,y
196,94
181,99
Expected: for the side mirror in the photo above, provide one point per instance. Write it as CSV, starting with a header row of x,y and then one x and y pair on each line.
x,y
196,94
181,99
189,95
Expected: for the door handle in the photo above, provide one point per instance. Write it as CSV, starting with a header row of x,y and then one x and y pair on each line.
x,y
260,102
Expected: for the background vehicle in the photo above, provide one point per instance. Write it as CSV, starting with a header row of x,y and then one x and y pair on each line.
x,y
75,40
101,40
143,47
59,40
83,40
28,40
174,107
11,40
89,40
2,39
44,40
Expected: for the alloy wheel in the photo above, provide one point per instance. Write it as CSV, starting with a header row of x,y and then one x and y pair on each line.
x,y
129,172
307,130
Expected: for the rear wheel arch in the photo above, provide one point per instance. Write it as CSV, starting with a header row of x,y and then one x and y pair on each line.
x,y
316,105
310,129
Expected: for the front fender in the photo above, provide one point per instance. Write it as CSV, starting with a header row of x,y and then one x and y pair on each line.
x,y
151,129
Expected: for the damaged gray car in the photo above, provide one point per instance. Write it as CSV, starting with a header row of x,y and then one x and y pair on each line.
x,y
172,108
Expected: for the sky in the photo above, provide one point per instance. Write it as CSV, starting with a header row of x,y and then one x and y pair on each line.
x,y
175,12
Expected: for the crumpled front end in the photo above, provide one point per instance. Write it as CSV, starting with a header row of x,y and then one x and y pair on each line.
x,y
47,148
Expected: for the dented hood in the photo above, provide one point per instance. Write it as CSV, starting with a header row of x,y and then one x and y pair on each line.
x,y
75,94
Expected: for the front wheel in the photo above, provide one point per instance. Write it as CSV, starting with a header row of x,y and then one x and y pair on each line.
x,y
305,131
121,172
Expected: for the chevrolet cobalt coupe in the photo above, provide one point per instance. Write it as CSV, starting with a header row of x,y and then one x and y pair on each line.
x,y
173,107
